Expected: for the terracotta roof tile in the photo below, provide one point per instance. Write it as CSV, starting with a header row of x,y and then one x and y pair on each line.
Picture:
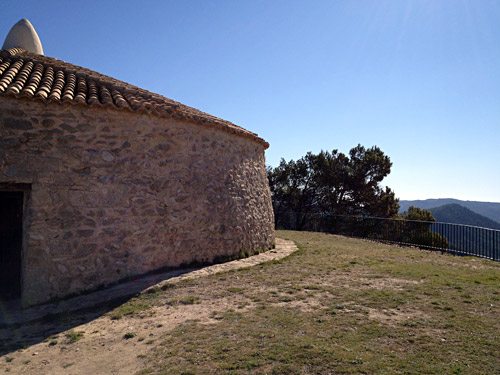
x,y
69,88
34,81
44,89
29,75
93,93
9,75
57,87
81,92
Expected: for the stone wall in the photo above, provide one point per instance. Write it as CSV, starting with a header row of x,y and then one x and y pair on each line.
x,y
116,193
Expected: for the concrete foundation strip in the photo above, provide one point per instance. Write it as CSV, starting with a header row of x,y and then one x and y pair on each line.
x,y
283,249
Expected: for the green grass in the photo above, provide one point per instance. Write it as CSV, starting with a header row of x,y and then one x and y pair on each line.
x,y
52,340
73,336
129,335
133,307
189,300
340,306
399,310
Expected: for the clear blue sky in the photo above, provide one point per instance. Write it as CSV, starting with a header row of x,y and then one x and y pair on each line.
x,y
420,79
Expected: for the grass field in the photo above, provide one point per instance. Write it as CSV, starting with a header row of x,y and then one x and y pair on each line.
x,y
338,306
335,306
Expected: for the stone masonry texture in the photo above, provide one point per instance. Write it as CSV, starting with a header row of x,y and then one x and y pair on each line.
x,y
114,194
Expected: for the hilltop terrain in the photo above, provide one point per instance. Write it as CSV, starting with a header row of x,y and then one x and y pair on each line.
x,y
457,214
489,209
337,305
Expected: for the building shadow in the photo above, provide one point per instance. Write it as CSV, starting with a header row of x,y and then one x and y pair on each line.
x,y
18,336
21,328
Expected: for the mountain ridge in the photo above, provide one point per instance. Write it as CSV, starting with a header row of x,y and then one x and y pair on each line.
x,y
457,214
490,210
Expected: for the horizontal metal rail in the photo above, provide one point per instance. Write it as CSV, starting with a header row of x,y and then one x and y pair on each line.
x,y
455,239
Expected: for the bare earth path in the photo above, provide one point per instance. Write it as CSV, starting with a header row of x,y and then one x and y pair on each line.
x,y
91,342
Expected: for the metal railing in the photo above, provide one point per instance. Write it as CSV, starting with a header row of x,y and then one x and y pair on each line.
x,y
452,238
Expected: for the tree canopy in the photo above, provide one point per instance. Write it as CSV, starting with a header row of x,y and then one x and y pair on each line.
x,y
419,228
417,213
332,183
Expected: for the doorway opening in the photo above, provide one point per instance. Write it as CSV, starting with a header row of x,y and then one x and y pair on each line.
x,y
11,243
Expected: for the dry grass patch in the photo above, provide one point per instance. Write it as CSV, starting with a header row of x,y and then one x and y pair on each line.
x,y
337,305
346,306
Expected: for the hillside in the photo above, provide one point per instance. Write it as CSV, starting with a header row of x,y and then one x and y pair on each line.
x,y
489,209
457,214
336,306
467,239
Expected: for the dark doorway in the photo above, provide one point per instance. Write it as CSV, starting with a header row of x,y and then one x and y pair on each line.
x,y
11,240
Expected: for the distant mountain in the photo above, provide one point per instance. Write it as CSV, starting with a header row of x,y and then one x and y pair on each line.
x,y
468,239
457,214
489,209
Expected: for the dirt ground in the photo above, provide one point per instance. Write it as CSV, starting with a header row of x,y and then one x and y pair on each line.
x,y
413,309
102,345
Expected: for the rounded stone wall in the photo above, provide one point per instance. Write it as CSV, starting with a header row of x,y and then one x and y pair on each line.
x,y
112,194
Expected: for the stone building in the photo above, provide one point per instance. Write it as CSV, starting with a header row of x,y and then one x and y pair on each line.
x,y
101,180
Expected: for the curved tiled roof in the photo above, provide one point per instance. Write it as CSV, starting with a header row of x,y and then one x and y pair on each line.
x,y
28,75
